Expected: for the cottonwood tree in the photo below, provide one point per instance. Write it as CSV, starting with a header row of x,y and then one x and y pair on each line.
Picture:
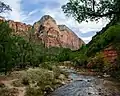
x,y
85,10
6,41
6,44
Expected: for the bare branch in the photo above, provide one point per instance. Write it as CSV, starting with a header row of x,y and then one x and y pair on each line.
x,y
4,7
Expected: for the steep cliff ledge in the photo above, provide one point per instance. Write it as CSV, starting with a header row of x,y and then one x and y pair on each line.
x,y
47,31
18,27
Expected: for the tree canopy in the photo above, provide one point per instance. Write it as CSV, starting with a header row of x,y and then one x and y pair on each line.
x,y
4,7
84,10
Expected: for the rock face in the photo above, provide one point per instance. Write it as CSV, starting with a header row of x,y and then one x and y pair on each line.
x,y
110,54
48,32
19,28
69,39
55,35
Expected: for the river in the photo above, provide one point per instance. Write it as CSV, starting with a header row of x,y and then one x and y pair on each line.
x,y
82,85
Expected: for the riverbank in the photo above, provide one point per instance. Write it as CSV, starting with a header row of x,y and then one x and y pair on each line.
x,y
32,82
87,85
59,81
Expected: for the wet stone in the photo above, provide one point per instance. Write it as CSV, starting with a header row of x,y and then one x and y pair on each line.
x,y
89,93
82,85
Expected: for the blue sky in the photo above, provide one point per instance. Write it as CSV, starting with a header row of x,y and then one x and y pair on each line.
x,y
30,11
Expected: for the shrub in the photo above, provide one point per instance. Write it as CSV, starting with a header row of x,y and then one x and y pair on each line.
x,y
47,65
8,92
64,55
38,80
81,60
99,62
33,92
17,83
2,85
56,71
25,81
116,74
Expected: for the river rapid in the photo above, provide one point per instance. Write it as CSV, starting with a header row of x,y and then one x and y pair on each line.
x,y
82,85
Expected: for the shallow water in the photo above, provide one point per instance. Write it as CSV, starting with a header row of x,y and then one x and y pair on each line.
x,y
82,85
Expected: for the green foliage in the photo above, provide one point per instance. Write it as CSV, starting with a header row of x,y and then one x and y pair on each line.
x,y
17,52
116,74
33,92
78,57
17,83
110,36
85,10
7,92
99,63
52,66
80,60
4,7
47,65
39,81
6,45
64,55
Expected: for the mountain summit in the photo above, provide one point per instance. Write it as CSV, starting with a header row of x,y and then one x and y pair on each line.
x,y
56,35
47,31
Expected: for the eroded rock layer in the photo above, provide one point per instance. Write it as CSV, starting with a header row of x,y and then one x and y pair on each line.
x,y
47,31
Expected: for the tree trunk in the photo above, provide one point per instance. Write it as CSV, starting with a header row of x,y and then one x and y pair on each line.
x,y
6,68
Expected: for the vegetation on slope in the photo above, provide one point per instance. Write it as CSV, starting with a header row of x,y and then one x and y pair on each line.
x,y
91,56
110,36
93,10
21,57
38,81
16,52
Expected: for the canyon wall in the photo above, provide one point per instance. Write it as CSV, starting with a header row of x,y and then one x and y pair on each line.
x,y
48,32
56,35
110,54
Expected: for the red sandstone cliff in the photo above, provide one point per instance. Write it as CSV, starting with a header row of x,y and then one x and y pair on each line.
x,y
56,35
47,31
19,28
69,39
110,54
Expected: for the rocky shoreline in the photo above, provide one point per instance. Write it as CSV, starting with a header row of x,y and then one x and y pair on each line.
x,y
94,84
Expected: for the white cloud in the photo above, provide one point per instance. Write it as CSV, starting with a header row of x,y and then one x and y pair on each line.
x,y
33,12
18,15
16,12
87,38
83,27
28,16
61,2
